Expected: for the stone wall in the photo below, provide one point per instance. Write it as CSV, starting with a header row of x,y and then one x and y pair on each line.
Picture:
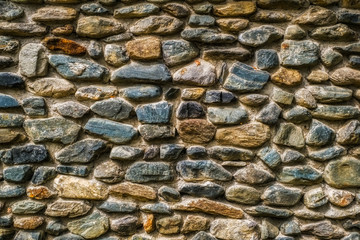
x,y
173,120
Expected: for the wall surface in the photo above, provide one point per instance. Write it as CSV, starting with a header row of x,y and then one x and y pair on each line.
x,y
172,120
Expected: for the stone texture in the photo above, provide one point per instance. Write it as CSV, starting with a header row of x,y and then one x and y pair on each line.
x,y
261,35
299,53
52,87
136,11
69,209
72,109
278,195
98,27
243,194
115,55
338,32
317,16
160,25
91,226
196,131
22,29
33,60
148,48
95,92
142,172
54,14
137,191
234,229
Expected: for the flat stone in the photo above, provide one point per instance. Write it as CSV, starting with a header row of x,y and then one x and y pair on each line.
x,y
289,135
79,188
159,25
230,153
52,129
176,9
270,157
77,69
349,48
115,132
299,53
10,80
232,24
283,4
201,21
11,120
154,73
93,9
330,58
176,52
207,189
196,131
109,172
201,170
299,175
259,36
297,115
34,106
55,227
327,153
27,207
304,98
294,32
137,191
254,100
206,35
315,198
278,195
265,211
338,32
24,154
243,194
94,92
345,76
270,17
6,221
98,27
227,115
72,109
269,114
115,109
189,109
236,9
7,101
317,76
10,11
282,97
151,132
54,14
208,206
11,191
43,174
218,96
80,171
8,44
266,59
143,172
52,87
234,53
136,11
22,29
171,151
119,37
126,153
194,223
290,228
323,229
141,92
157,208
147,48
159,112
287,77
169,194
316,16
125,226
64,30
28,223
234,229
333,173
349,133
91,226
115,55
33,60
118,207
196,152
18,174
305,213
335,113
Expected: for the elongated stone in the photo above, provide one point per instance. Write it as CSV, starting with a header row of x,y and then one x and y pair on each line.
x,y
27,207
24,155
11,120
207,189
265,211
289,135
64,45
236,9
230,153
300,175
283,4
227,115
142,172
11,80
7,101
345,76
54,14
205,35
258,36
233,229
160,25
109,172
136,11
22,29
11,191
137,191
338,32
243,194
98,27
91,226
152,132
52,87
118,207
114,109
330,94
327,153
317,16
33,60
72,109
335,112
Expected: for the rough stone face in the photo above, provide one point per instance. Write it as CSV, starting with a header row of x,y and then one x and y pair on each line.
x,y
227,115
335,112
315,198
283,4
148,48
11,80
300,175
317,16
278,195
207,189
108,172
176,9
234,229
154,112
115,109
34,106
94,92
91,226
54,14
115,55
289,135
205,35
143,172
176,52
261,35
287,77
69,209
137,10
338,32
230,153
160,25
52,87
151,132
349,134
10,11
33,60
243,194
196,131
299,53
137,191
7,101
22,29
98,27
333,176
253,174
72,109
319,134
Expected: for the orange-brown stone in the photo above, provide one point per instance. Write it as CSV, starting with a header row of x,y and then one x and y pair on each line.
x,y
40,192
287,77
65,45
149,222
196,131
137,191
28,222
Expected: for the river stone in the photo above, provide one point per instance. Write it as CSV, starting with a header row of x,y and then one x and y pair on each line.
x,y
297,115
315,198
54,14
24,154
7,101
266,59
227,115
254,100
349,134
345,76
52,129
125,153
137,191
243,194
98,27
151,132
207,189
299,175
283,4
327,153
278,195
27,207
22,29
335,113
11,191
169,194
176,52
340,198
160,25
206,35
28,223
234,229
201,21
55,227
305,213
115,109
270,17
118,207
18,174
236,9
169,225
141,92
289,135
108,172
43,174
282,97
143,172
194,223
69,209
115,55
269,114
176,9
125,226
338,32
11,80
171,151
341,213
115,132
196,130
10,11
159,112
77,69
259,36
8,44
317,76
79,188
230,153
333,174
72,109
91,226
93,9
33,60
202,170
139,72
136,11
316,16
40,192
299,53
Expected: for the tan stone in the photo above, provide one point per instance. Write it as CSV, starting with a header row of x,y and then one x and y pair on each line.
x,y
317,76
28,223
194,223
232,24
134,190
192,93
63,30
22,29
304,98
148,48
69,209
54,14
208,206
345,76
340,198
196,131
40,192
287,77
9,136
80,188
98,27
355,4
94,92
52,87
169,225
235,9
317,16
247,135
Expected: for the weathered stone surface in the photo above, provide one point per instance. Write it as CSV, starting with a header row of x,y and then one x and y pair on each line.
x,y
125,226
98,27
11,120
10,11
80,171
55,227
230,153
269,114
278,195
115,109
43,174
11,191
52,87
317,76
54,14
283,4
202,170
243,194
34,106
169,225
69,209
218,96
289,135
27,207
304,98
316,16
333,173
235,9
93,9
136,11
141,92
227,115
18,174
28,223
126,153
22,29
340,198
194,223
176,52
261,35
39,192
10,80
148,48
330,58
65,30
232,24
265,211
266,59
189,109
234,229
154,112
205,35
118,207
142,172
94,92
109,172
169,194
196,130
8,44
207,189
300,175
270,157
79,188
253,174
319,134
282,97
91,226
327,153
176,9
338,112
323,229
72,109
154,132
171,151
349,133
287,77
315,198
201,21
157,208
254,100
160,25
33,60
345,76
25,154
115,55
270,16
9,136
137,191
338,32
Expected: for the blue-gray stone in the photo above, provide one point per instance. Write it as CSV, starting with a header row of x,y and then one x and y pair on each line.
x,y
11,120
118,207
81,171
155,73
218,96
299,53
207,189
159,112
196,152
24,154
169,194
206,35
284,238
143,172
292,156
11,191
330,94
29,235
278,195
27,207
171,151
269,114
227,115
172,93
297,114
55,227
190,109
202,170
290,228
95,49
230,153
260,35
352,236
354,61
6,62
266,59
300,175
327,153
270,157
6,221
335,112
113,131
7,101
69,236
201,21
319,134
157,208
176,52
72,68
126,153
142,92
11,80
10,11
265,211
348,16
203,236
114,108
34,106
18,174
244,78
93,9
136,11
330,58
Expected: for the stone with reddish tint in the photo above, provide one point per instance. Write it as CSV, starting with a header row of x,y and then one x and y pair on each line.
x,y
64,45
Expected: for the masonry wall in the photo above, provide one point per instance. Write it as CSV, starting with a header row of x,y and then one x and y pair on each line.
x,y
159,119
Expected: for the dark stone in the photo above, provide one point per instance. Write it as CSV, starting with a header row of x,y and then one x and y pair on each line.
x,y
114,108
207,189
201,21
354,61
297,114
143,172
142,92
81,171
151,152
169,194
291,156
118,207
269,114
278,195
11,80
34,106
93,9
55,227
190,109
159,112
196,152
172,93
176,9
349,134
29,235
299,53
266,59
258,36
264,211
10,11
6,221
125,226
270,157
7,101
171,151
43,174
218,96
319,134
152,132
230,153
157,208
205,35
25,154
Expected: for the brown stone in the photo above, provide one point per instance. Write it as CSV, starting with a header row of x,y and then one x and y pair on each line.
x,y
247,135
196,131
69,209
22,29
303,97
287,77
235,9
169,225
194,223
149,223
10,136
98,27
54,14
208,206
64,30
317,76
40,192
28,223
137,191
317,16
52,87
354,4
148,48
232,24
345,76
67,46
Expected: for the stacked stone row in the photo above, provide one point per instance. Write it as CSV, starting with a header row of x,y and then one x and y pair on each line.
x,y
179,120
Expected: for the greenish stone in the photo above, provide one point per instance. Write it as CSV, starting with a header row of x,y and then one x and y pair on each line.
x,y
264,211
335,112
27,207
143,172
334,173
11,120
91,226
